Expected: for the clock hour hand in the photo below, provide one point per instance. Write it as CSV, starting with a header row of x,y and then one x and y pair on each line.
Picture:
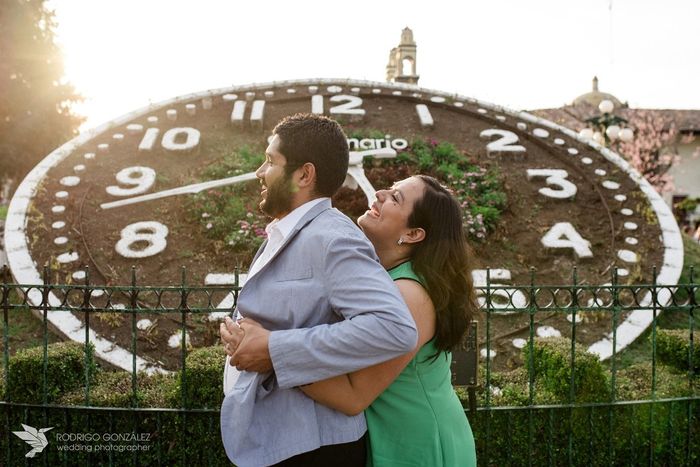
x,y
356,171
187,189
381,153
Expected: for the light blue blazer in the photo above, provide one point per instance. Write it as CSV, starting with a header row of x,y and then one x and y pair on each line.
x,y
332,309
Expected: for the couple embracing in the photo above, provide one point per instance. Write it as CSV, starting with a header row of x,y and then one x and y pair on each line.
x,y
342,356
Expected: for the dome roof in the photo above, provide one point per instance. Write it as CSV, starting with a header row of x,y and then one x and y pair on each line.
x,y
594,97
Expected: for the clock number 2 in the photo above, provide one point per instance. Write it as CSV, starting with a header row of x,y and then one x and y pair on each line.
x,y
506,142
141,179
350,107
134,236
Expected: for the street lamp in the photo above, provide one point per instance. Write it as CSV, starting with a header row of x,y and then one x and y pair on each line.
x,y
607,127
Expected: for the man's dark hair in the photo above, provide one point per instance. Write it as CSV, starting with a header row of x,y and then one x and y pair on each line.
x,y
318,140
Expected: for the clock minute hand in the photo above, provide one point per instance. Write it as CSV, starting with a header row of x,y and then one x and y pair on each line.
x,y
355,159
183,190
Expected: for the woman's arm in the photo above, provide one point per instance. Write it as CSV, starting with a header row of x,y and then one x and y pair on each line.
x,y
354,392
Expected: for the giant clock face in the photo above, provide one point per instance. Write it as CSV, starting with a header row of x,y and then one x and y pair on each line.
x,y
172,185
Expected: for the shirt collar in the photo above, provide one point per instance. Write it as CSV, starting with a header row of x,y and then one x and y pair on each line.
x,y
287,223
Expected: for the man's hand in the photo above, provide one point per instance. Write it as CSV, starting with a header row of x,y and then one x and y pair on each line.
x,y
252,353
231,336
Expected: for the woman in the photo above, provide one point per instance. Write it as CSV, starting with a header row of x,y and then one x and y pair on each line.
x,y
413,415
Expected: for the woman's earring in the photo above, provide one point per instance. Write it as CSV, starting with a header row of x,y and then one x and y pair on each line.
x,y
400,242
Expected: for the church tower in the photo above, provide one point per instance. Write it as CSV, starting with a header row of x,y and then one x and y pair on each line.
x,y
402,60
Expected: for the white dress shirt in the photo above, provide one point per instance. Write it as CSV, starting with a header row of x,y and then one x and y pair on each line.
x,y
277,232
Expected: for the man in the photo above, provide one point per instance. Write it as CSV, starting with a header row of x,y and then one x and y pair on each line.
x,y
315,269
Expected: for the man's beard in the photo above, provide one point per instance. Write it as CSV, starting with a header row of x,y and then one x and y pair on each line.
x,y
279,197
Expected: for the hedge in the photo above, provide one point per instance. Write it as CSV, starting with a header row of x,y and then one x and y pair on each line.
x,y
673,348
667,433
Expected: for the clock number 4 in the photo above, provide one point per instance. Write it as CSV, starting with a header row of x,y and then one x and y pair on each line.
x,y
134,236
351,105
506,142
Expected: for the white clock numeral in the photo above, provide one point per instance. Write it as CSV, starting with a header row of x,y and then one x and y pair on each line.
x,y
257,113
317,104
169,141
351,105
507,142
149,139
140,178
564,235
151,233
555,177
500,298
426,119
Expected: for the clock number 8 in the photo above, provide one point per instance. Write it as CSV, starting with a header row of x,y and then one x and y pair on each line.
x,y
149,232
141,178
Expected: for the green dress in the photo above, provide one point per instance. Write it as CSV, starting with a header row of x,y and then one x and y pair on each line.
x,y
418,420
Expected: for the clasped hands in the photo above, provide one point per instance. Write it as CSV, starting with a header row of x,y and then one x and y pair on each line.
x,y
246,343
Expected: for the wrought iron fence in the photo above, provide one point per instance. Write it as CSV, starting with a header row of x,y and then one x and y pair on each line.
x,y
528,412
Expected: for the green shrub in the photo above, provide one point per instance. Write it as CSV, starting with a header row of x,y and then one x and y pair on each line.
x,y
552,367
673,348
205,368
635,382
114,389
65,371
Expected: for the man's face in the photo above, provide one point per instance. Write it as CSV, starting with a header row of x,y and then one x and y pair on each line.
x,y
277,186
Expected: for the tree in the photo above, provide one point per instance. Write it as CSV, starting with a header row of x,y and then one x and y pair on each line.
x,y
653,150
35,101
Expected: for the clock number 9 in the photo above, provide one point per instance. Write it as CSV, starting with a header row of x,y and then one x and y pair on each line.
x,y
141,179
149,232
505,144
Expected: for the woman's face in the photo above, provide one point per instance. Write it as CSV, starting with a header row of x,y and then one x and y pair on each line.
x,y
387,220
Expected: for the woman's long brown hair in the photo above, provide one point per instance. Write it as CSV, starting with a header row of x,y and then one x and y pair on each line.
x,y
443,260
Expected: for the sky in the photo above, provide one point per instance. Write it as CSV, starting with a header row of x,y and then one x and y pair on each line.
x,y
523,54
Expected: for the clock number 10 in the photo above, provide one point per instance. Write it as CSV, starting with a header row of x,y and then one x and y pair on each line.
x,y
174,140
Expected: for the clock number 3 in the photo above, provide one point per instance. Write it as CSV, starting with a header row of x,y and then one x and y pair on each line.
x,y
506,142
134,236
140,179
557,178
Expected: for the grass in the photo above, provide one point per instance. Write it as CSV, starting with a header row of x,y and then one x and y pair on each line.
x,y
3,212
641,350
24,330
